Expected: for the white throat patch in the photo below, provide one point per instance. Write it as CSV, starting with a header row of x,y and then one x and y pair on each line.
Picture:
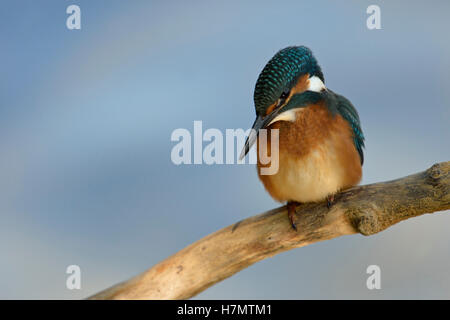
x,y
289,115
315,84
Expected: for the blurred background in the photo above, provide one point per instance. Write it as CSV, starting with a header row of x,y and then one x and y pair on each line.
x,y
86,118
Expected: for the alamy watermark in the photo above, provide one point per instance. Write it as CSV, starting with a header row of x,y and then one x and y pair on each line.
x,y
224,148
374,280
73,21
73,281
374,20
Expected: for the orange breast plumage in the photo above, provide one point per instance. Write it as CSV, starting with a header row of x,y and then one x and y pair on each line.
x,y
316,158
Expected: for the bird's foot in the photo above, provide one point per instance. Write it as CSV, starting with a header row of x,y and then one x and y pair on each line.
x,y
330,201
291,205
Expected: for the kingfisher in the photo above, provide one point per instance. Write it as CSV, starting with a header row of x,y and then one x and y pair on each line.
x,y
320,147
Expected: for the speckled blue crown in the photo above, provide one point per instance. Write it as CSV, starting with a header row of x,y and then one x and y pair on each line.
x,y
281,72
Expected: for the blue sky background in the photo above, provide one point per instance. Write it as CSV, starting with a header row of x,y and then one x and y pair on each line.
x,y
86,117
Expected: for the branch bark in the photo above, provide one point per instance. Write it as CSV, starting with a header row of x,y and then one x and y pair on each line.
x,y
365,209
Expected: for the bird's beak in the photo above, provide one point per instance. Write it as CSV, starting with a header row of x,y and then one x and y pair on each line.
x,y
260,123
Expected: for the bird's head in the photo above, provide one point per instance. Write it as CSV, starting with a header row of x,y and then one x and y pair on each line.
x,y
291,72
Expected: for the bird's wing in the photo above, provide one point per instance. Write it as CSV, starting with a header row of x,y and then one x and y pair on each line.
x,y
349,113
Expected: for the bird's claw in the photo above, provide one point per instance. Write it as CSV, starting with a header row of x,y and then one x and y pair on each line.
x,y
291,214
330,201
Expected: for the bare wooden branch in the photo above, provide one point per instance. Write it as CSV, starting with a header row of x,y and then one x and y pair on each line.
x,y
365,209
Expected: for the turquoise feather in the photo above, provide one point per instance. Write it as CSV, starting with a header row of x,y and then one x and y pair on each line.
x,y
281,73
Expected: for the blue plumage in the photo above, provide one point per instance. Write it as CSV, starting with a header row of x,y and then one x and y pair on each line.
x,y
281,72
349,113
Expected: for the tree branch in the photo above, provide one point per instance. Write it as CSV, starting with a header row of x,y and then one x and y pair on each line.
x,y
365,209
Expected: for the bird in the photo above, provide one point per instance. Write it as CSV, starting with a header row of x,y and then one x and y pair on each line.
x,y
320,147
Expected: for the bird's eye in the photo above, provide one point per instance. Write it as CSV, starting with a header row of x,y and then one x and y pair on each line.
x,y
283,97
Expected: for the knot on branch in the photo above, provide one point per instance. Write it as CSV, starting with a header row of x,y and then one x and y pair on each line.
x,y
438,178
437,172
365,220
